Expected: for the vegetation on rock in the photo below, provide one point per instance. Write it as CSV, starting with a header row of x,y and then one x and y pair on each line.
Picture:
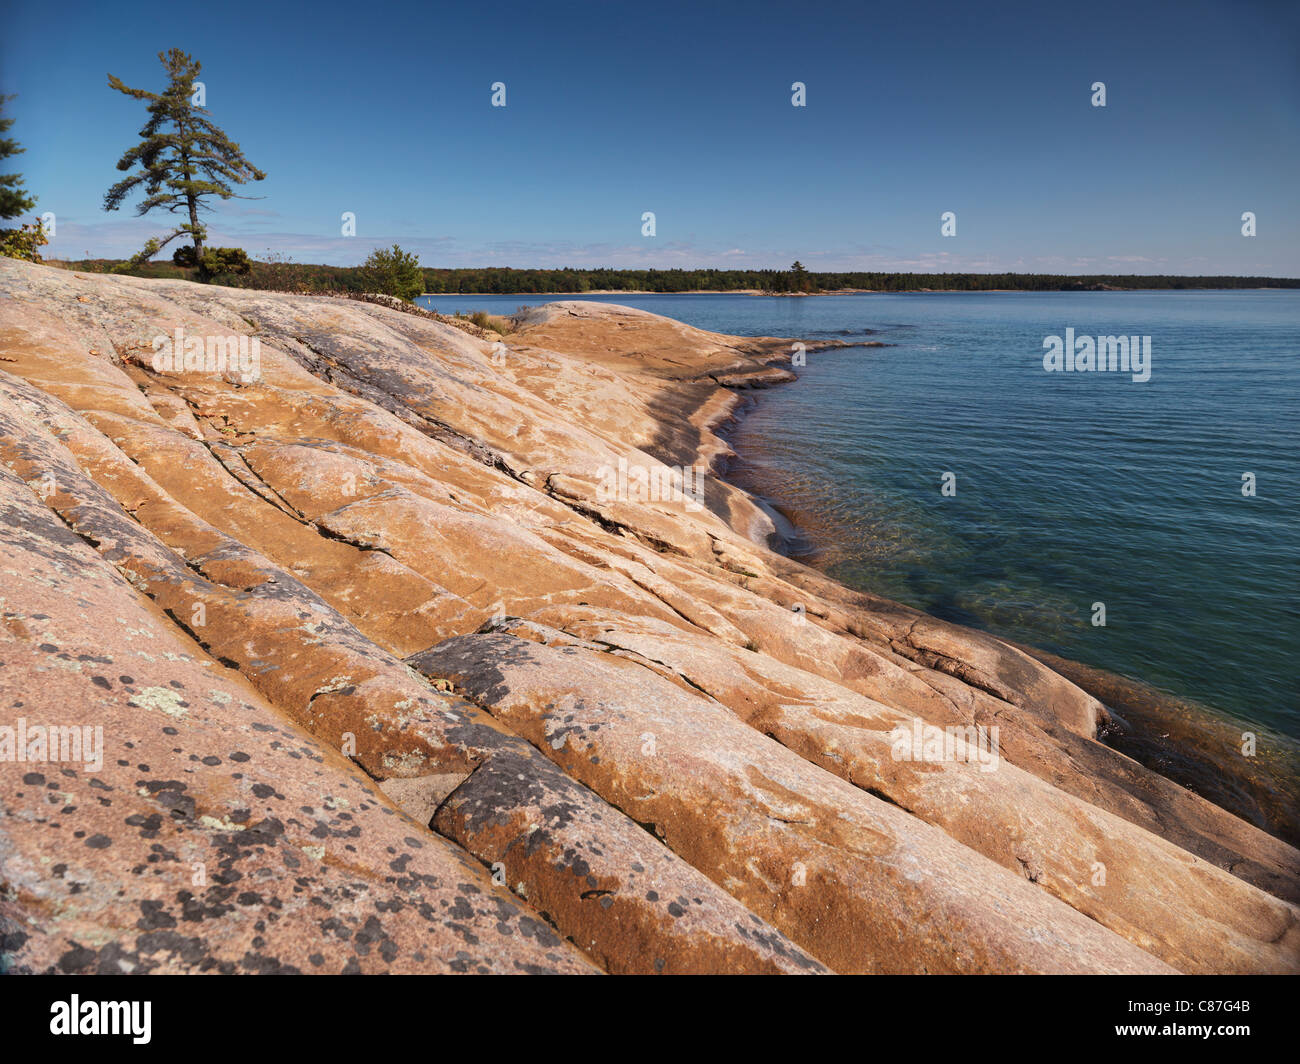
x,y
23,242
393,273
184,159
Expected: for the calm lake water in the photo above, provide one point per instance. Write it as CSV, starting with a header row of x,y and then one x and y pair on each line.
x,y
1071,488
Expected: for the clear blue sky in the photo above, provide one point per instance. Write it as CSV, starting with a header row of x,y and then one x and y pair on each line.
x,y
914,109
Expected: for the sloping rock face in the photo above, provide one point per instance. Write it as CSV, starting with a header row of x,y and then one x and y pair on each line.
x,y
411,650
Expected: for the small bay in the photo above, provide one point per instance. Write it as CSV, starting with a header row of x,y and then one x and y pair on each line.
x,y
1072,489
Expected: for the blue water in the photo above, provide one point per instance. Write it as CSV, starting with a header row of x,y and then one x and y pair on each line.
x,y
1071,488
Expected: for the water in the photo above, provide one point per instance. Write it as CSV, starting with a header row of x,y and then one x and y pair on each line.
x,y
1071,489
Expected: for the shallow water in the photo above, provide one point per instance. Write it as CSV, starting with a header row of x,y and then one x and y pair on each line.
x,y
1071,489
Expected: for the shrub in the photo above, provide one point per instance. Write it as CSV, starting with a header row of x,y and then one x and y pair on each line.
x,y
491,322
218,261
394,273
23,243
277,271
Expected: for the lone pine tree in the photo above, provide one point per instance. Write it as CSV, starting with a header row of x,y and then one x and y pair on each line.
x,y
183,159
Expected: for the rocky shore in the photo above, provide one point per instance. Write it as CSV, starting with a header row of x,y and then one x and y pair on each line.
x,y
389,680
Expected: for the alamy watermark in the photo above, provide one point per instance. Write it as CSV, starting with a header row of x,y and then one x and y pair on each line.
x,y
1101,354
77,1017
928,742
178,353
652,483
42,744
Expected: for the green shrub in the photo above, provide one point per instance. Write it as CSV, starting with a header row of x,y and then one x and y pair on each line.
x,y
394,273
219,261
23,243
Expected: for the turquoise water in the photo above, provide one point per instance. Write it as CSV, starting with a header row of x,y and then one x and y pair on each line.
x,y
1071,488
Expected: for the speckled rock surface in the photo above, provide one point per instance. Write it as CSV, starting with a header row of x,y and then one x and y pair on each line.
x,y
213,835
392,679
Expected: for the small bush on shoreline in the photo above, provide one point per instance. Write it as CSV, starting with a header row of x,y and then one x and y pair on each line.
x,y
493,322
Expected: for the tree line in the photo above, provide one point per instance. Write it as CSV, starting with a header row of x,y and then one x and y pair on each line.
x,y
398,273
506,281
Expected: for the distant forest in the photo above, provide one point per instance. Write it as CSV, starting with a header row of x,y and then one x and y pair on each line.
x,y
508,282
277,272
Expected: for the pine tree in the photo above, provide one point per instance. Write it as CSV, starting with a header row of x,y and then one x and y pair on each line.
x,y
184,158
799,279
24,242
13,197
396,273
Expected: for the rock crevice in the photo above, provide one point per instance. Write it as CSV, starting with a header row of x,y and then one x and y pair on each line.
x,y
390,680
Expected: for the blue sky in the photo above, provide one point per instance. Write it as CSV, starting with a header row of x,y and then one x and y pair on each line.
x,y
913,109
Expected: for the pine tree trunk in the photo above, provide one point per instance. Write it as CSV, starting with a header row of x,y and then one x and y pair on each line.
x,y
191,199
194,221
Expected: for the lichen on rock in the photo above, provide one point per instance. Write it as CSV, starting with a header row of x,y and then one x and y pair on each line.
x,y
412,655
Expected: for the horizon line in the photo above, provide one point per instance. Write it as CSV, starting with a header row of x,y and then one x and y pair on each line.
x,y
724,269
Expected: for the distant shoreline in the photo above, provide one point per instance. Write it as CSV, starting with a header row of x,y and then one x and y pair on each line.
x,y
555,283
843,292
